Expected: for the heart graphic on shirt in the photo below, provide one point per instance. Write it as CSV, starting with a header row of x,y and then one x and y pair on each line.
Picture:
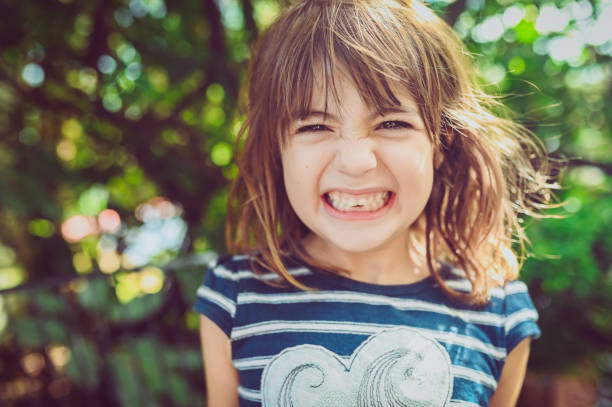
x,y
397,367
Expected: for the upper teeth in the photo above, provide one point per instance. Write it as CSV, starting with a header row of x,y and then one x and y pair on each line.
x,y
363,202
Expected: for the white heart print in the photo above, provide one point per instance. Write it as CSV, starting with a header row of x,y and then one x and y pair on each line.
x,y
396,367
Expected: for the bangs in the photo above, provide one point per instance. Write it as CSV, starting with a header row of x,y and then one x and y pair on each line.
x,y
374,87
378,48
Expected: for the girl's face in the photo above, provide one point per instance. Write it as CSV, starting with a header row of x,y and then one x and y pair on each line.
x,y
356,179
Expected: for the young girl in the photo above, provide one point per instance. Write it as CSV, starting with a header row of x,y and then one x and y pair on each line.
x,y
374,212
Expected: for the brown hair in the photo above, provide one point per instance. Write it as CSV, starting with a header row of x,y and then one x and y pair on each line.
x,y
492,171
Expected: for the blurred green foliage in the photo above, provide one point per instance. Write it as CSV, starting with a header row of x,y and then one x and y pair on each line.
x,y
128,110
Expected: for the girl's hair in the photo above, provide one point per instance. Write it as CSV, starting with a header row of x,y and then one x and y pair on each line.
x,y
492,169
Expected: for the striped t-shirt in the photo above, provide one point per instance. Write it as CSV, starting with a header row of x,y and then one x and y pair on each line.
x,y
351,343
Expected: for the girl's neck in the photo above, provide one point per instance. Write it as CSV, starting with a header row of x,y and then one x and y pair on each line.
x,y
401,262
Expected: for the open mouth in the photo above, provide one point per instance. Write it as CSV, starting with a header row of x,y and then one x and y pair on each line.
x,y
371,202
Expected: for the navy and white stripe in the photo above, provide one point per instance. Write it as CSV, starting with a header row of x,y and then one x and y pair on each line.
x,y
263,319
255,396
352,328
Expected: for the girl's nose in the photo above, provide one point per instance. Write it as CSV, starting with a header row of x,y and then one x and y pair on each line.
x,y
356,157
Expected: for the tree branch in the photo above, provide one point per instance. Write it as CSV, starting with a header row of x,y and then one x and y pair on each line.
x,y
97,39
580,162
454,11
251,27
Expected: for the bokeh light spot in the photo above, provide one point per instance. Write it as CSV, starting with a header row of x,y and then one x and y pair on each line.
x,y
586,77
573,204
29,136
525,32
59,355
11,277
109,262
138,8
125,83
33,363
33,75
151,280
192,320
157,8
78,227
513,15
231,14
516,65
41,228
551,19
112,102
7,255
133,71
492,73
107,64
83,25
491,29
265,12
172,22
123,17
66,150
107,243
215,93
230,172
221,154
82,263
93,200
88,80
580,9
126,52
213,116
158,79
134,112
588,176
109,221
156,209
552,143
72,129
565,48
128,287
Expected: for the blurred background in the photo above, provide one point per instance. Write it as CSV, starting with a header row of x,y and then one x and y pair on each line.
x,y
117,123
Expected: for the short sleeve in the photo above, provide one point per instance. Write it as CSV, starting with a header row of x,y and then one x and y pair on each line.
x,y
521,315
216,297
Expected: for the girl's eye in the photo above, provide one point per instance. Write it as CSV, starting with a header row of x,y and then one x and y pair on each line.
x,y
312,128
394,124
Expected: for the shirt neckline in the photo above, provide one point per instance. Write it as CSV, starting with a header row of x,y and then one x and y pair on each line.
x,y
329,280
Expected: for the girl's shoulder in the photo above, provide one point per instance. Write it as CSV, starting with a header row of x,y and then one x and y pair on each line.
x,y
456,279
509,308
232,263
248,268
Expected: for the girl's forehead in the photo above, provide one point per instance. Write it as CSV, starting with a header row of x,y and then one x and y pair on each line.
x,y
331,92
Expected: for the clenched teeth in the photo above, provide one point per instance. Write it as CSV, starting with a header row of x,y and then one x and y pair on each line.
x,y
363,202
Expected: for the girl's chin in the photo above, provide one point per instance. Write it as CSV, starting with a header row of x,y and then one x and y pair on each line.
x,y
349,244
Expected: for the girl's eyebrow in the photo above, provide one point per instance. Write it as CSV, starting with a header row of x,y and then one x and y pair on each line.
x,y
396,109
385,111
316,113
